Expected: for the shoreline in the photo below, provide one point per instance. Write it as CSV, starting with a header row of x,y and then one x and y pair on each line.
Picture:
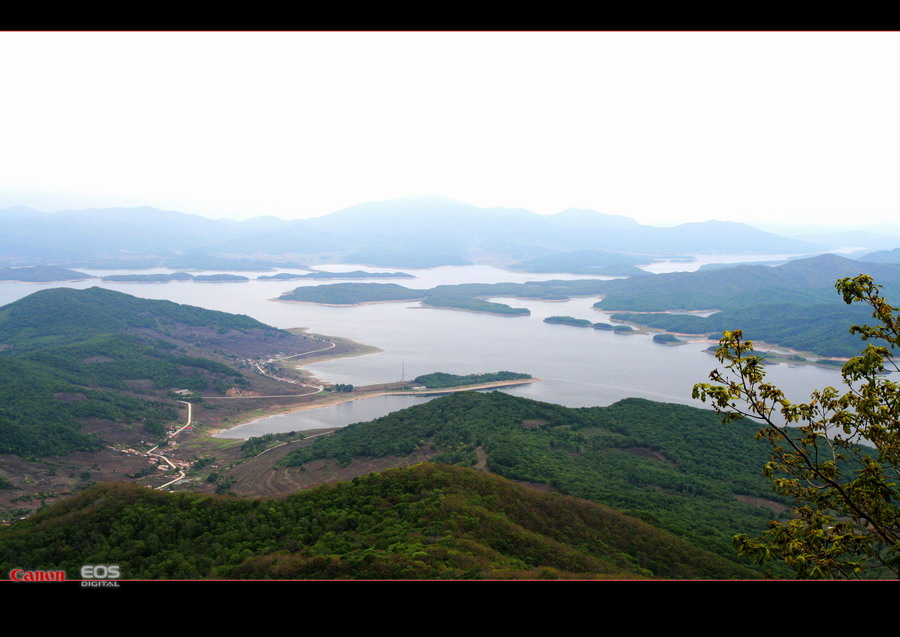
x,y
425,306
778,353
357,349
421,306
298,364
338,399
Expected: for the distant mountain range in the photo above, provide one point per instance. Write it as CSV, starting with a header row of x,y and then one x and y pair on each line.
x,y
407,232
884,256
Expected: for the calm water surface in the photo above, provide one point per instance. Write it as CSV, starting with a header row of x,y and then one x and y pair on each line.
x,y
580,366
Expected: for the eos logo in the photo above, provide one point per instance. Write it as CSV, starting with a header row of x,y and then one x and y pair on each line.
x,y
100,571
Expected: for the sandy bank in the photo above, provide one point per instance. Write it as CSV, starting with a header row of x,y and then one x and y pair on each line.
x,y
334,398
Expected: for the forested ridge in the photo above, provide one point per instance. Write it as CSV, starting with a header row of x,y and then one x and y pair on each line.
x,y
793,305
821,328
72,354
428,521
33,423
63,315
801,281
673,466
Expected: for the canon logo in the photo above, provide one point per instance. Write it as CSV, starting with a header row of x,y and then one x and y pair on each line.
x,y
19,575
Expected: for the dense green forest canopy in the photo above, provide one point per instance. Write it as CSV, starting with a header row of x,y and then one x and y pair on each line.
x,y
428,521
672,466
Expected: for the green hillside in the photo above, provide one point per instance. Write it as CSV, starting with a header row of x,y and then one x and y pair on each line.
x,y
40,411
673,466
801,281
63,315
428,521
822,328
794,305
68,355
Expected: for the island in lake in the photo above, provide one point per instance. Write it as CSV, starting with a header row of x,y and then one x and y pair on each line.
x,y
568,320
352,293
439,380
465,296
434,384
160,277
355,274
220,278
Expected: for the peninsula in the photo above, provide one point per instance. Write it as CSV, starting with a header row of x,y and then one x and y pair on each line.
x,y
435,384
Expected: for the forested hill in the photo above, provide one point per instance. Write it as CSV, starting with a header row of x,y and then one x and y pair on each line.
x,y
673,466
428,521
63,315
41,273
801,281
793,305
70,355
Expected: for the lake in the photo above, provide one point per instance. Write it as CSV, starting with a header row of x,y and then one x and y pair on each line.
x,y
581,367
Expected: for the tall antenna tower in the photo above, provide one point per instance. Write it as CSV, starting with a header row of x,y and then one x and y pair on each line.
x,y
402,371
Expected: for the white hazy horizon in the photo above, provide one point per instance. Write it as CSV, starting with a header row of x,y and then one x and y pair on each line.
x,y
663,128
781,229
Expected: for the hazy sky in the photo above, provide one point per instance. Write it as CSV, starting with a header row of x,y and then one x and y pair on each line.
x,y
663,128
